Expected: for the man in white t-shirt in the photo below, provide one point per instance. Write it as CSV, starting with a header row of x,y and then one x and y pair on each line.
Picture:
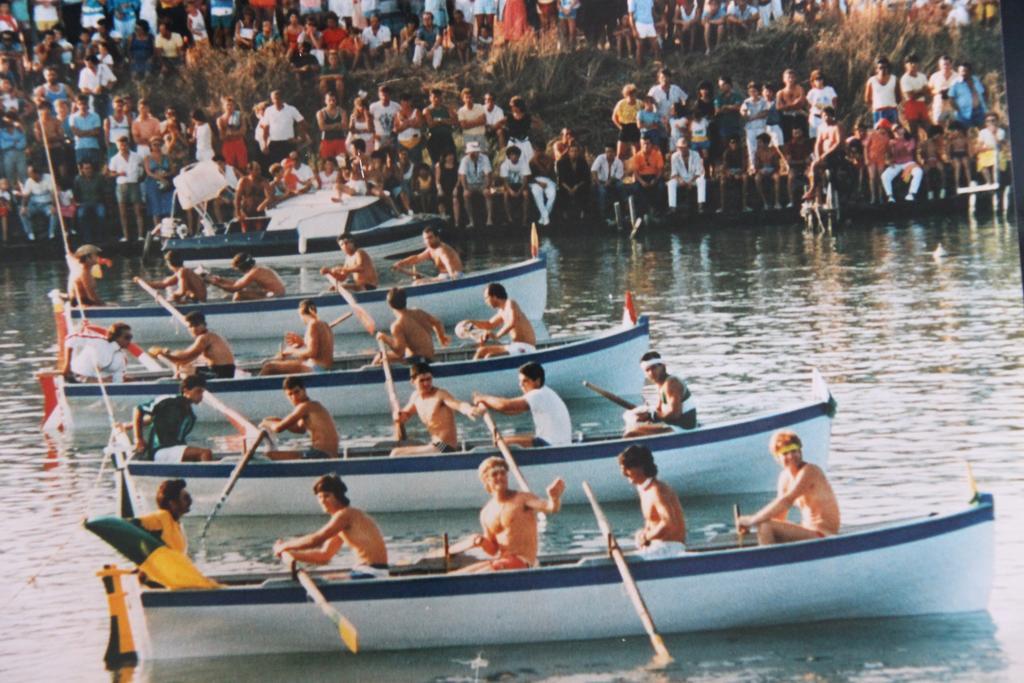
x,y
666,94
96,79
514,173
551,422
939,84
376,39
472,120
607,172
89,351
383,112
915,91
475,179
126,168
277,128
495,122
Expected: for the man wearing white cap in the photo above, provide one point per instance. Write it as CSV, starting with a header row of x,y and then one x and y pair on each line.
x,y
475,179
686,172
676,407
81,284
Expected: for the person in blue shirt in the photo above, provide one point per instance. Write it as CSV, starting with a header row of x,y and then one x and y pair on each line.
x,y
968,96
12,149
428,42
87,129
641,20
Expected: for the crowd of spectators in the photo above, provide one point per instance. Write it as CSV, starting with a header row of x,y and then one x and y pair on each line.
x,y
67,68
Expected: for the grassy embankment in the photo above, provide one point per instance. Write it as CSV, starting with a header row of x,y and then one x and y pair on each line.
x,y
579,89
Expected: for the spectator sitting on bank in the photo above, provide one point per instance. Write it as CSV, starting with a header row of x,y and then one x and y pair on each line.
x,y
460,32
797,153
574,182
733,171
902,162
929,156
607,173
428,42
376,40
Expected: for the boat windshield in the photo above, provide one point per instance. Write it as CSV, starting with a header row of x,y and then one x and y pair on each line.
x,y
369,217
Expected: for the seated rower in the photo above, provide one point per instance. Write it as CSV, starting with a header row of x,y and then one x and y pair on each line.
x,y
509,520
310,417
189,286
676,407
210,345
86,353
508,320
443,256
411,332
257,282
81,283
312,353
664,531
171,421
173,502
801,484
551,423
358,268
348,525
435,408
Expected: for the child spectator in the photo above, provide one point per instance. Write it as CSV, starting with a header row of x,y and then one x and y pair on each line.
x,y
991,144
734,170
958,147
767,164
929,156
797,153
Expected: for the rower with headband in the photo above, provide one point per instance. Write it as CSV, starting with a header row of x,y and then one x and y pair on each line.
x,y
675,408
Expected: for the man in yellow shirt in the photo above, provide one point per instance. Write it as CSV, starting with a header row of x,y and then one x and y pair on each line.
x,y
174,503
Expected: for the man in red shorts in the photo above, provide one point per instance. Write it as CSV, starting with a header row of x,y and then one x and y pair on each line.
x,y
916,93
509,520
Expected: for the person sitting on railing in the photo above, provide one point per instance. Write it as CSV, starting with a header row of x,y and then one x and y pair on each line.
x,y
802,484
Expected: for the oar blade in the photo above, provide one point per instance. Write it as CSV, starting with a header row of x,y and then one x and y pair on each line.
x,y
662,658
349,634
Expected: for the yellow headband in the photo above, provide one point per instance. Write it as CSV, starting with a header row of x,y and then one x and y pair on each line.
x,y
786,449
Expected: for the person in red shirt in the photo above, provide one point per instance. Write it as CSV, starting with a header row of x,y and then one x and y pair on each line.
x,y
648,165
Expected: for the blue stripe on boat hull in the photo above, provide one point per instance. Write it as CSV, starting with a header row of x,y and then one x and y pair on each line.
x,y
574,577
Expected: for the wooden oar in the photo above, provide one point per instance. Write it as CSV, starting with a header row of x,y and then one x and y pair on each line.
x,y
663,656
239,421
389,384
159,298
339,320
361,314
233,479
506,452
346,630
617,400
740,533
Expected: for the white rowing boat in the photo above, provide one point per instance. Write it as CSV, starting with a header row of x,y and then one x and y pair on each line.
x,y
355,388
449,300
730,457
936,564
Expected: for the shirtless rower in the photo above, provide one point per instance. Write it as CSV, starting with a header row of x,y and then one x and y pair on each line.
x,y
81,284
189,285
551,423
220,361
411,332
310,417
801,484
358,266
676,407
443,256
252,191
509,520
347,526
436,409
257,282
664,530
312,353
509,320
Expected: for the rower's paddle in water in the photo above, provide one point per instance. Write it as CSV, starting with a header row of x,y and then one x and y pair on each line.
x,y
346,630
663,657
233,479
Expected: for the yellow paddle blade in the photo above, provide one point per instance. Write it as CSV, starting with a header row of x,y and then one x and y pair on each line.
x,y
663,658
534,242
349,634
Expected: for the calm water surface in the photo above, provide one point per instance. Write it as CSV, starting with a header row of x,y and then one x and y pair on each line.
x,y
923,354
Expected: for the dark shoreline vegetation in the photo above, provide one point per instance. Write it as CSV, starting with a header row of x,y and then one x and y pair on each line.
x,y
579,89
